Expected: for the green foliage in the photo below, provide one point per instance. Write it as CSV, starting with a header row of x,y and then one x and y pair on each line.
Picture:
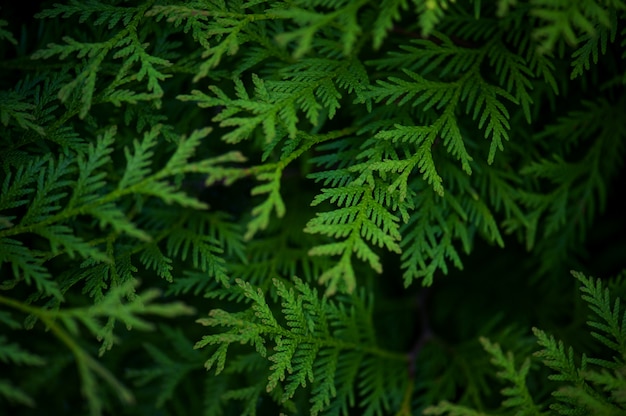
x,y
329,345
14,354
430,169
586,386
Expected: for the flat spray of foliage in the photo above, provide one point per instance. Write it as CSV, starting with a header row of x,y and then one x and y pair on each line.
x,y
325,207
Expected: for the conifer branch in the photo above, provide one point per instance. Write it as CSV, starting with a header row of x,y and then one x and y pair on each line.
x,y
364,146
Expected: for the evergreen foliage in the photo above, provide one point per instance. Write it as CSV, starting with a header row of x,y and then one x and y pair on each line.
x,y
589,386
325,207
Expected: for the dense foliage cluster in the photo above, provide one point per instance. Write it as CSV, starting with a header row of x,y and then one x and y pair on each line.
x,y
325,207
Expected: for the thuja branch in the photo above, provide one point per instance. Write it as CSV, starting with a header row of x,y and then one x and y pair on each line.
x,y
278,333
309,142
270,175
317,332
145,186
87,365
182,11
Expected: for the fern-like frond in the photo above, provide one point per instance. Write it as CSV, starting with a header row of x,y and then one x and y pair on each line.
x,y
188,236
112,305
558,358
567,21
580,388
203,250
430,13
409,135
423,138
307,87
389,11
486,102
84,83
105,13
137,163
313,333
89,182
609,321
342,16
613,382
57,191
436,54
124,44
458,80
363,215
24,262
518,396
562,361
28,265
428,237
579,392
20,184
221,29
274,202
591,48
14,110
65,323
514,75
575,188
502,185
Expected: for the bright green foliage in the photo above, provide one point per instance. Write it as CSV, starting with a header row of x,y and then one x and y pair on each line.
x,y
430,169
362,214
328,345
